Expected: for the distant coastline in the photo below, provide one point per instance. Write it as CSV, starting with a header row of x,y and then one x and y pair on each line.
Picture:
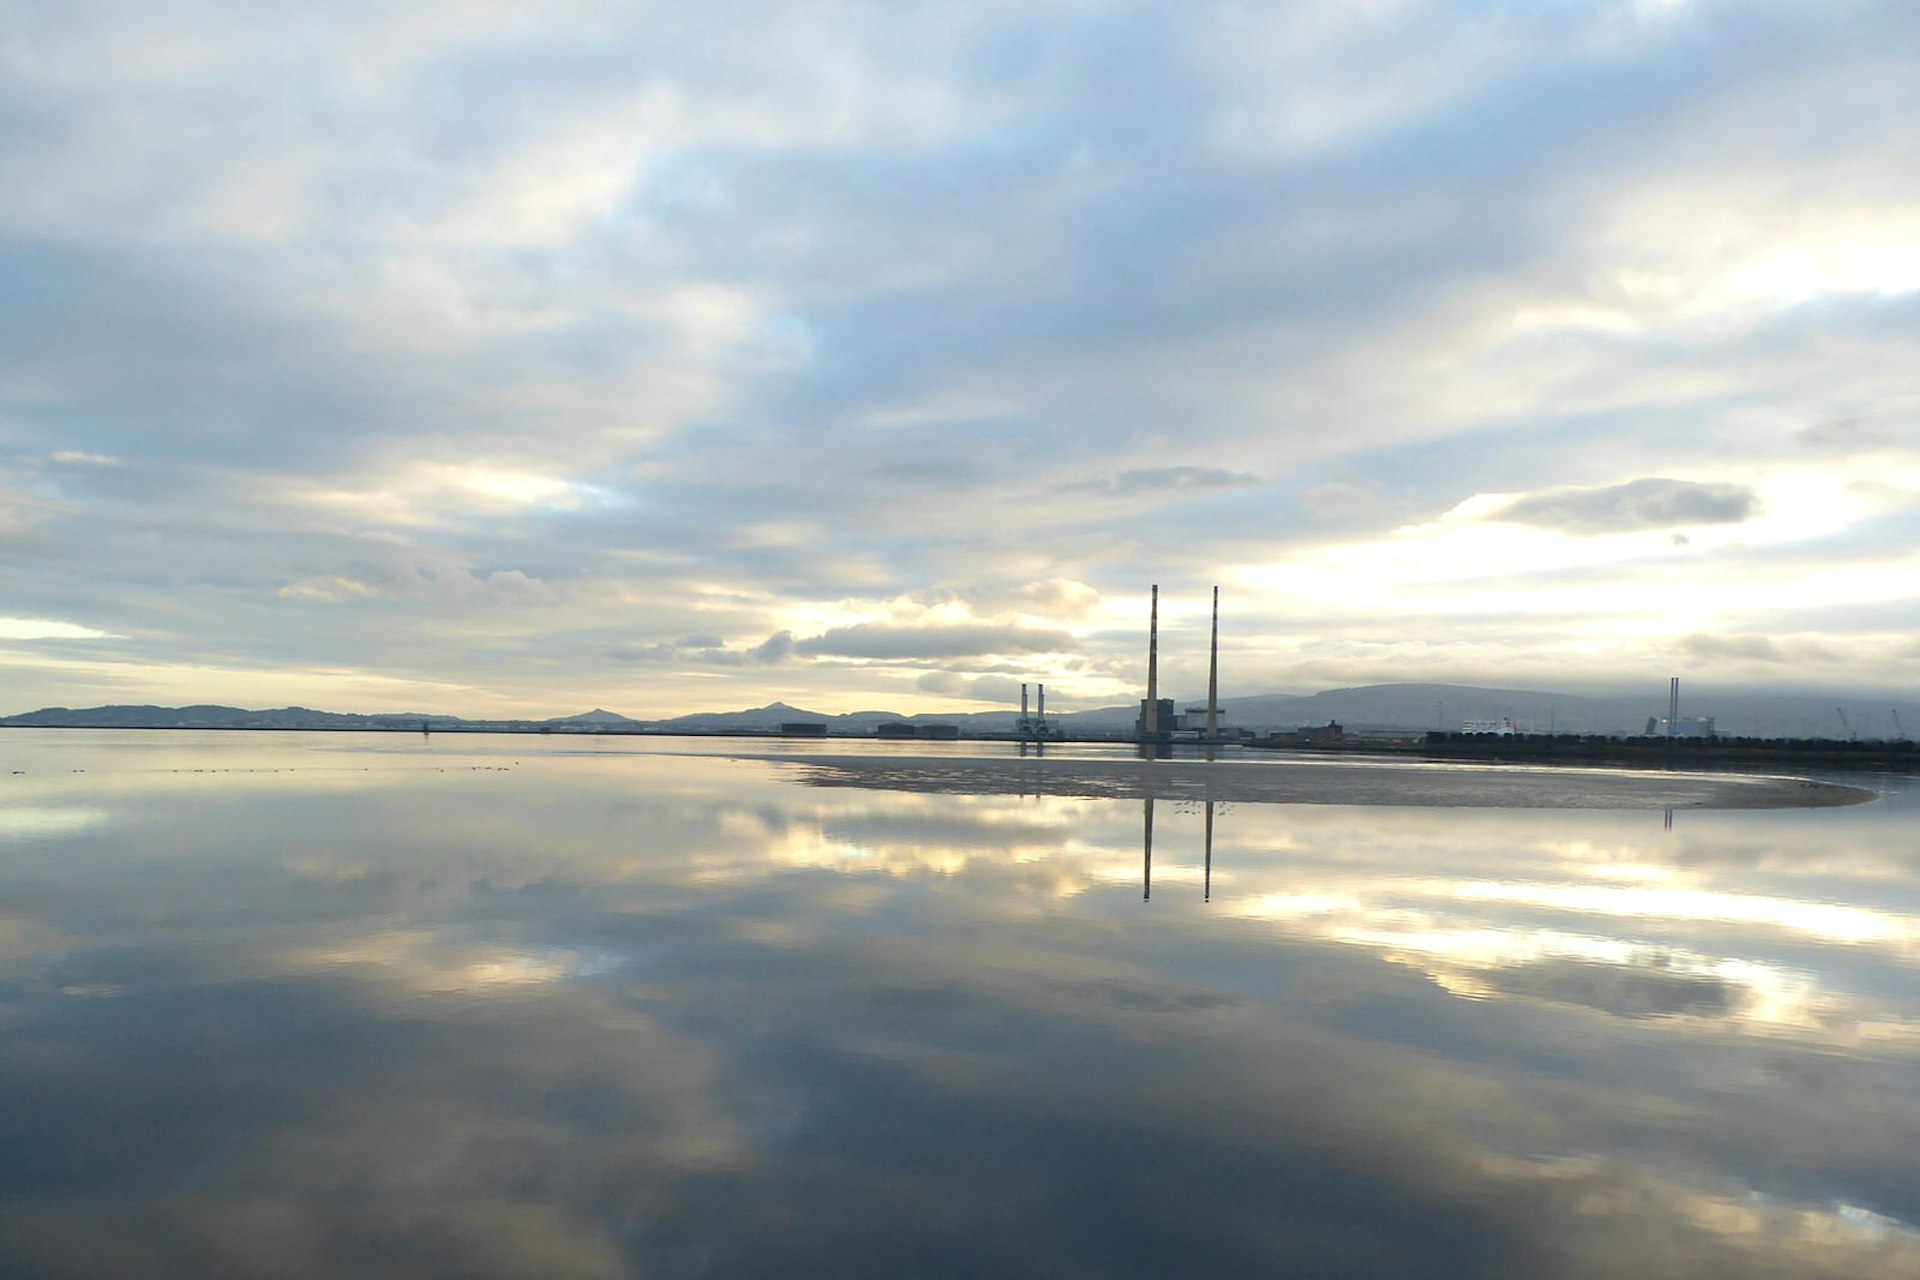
x,y
1375,719
1635,752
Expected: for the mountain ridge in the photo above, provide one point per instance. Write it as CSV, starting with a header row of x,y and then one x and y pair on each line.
x,y
1398,706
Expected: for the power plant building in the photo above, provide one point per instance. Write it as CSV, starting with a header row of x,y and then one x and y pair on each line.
x,y
1684,727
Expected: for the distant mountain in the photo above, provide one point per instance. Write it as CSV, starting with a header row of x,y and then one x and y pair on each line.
x,y
1431,706
217,717
771,716
595,716
1403,707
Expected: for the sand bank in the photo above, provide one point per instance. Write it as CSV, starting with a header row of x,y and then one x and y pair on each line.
x,y
1327,782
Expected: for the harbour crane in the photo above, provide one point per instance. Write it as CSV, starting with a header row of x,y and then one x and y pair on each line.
x,y
1842,713
1899,730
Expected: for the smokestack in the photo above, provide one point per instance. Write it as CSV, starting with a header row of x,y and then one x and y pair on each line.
x,y
1673,706
1150,723
1023,703
1042,709
1213,673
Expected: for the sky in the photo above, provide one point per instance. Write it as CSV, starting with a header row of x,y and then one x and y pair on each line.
x,y
492,358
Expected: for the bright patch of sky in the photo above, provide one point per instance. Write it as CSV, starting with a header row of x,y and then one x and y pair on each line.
x,y
481,359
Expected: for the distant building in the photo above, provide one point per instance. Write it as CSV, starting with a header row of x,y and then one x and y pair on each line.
x,y
803,729
940,731
895,729
1503,726
1330,734
1684,727
1166,722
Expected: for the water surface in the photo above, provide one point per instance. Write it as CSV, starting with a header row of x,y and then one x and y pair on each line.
x,y
285,1004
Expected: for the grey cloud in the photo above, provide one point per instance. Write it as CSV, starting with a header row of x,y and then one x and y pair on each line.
x,y
1798,650
1845,437
954,684
1638,504
1751,648
709,651
641,653
775,647
1164,480
882,641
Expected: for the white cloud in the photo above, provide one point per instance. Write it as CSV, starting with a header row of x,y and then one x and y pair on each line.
x,y
46,629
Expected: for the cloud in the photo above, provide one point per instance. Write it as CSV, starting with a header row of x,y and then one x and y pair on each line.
x,y
708,650
330,589
1164,481
775,648
952,684
872,642
1635,505
1752,648
704,330
1059,597
424,579
1800,650
46,629
882,641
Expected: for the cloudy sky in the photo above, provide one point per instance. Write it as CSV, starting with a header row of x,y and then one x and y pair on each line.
x,y
500,358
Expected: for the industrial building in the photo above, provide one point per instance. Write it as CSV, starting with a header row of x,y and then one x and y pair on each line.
x,y
1684,727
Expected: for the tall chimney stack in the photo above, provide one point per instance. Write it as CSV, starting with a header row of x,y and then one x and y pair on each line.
x,y
1023,705
1041,711
1673,706
1213,673
1150,723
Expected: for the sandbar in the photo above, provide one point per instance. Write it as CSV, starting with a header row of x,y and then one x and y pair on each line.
x,y
1340,782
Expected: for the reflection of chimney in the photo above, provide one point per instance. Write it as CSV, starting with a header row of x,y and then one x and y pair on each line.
x,y
1023,702
1150,724
1146,861
1209,880
1213,673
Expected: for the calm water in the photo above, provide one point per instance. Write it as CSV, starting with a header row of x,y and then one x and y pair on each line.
x,y
300,1005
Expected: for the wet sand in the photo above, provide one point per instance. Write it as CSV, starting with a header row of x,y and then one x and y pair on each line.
x,y
1328,782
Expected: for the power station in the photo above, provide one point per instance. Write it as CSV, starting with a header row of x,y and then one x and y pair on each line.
x,y
1034,728
1158,720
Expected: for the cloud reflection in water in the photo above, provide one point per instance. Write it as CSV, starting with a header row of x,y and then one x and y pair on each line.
x,y
655,1015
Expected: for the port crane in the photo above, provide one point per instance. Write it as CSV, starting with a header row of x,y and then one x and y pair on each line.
x,y
1842,713
1899,730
